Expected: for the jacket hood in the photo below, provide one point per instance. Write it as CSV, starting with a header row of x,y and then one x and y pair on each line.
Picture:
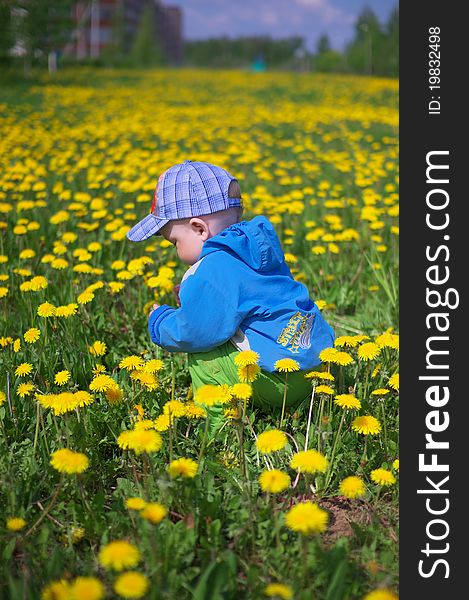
x,y
255,242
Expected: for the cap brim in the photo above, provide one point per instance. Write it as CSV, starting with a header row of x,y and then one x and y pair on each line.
x,y
147,227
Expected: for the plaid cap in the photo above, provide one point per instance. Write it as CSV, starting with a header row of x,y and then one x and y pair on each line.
x,y
189,189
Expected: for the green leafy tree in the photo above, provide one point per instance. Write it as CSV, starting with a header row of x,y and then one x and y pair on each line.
x,y
364,51
114,53
42,26
327,60
6,33
146,49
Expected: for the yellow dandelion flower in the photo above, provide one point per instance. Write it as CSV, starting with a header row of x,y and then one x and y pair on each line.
x,y
195,412
286,365
119,555
23,369
343,359
97,348
15,524
24,389
321,375
162,423
328,354
174,408
146,379
140,440
154,512
248,373
380,392
232,413
46,309
184,467
62,377
116,286
68,461
278,590
85,297
87,588
347,401
388,340
153,366
101,383
376,370
395,465
369,351
144,424
344,340
140,411
309,461
382,477
394,381
324,389
135,503
17,345
57,590
131,585
246,357
306,518
114,394
3,397
271,441
243,391
66,311
32,335
210,395
77,534
381,594
132,363
274,481
352,487
367,425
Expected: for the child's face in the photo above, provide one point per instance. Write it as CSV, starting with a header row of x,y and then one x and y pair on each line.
x,y
188,237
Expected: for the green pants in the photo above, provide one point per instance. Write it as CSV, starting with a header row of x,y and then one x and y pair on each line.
x,y
217,367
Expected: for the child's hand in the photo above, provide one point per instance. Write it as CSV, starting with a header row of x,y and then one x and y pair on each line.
x,y
155,306
176,293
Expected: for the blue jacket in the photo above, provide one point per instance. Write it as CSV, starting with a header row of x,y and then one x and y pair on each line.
x,y
241,289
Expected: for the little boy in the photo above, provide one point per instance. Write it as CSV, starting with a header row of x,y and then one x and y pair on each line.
x,y
238,293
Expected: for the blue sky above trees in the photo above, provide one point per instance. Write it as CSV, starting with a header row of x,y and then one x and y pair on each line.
x,y
279,18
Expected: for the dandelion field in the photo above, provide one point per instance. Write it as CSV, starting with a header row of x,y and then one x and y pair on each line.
x,y
110,485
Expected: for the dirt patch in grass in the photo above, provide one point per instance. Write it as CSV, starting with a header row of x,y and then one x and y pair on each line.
x,y
342,512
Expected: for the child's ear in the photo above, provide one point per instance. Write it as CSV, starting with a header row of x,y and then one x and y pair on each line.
x,y
200,227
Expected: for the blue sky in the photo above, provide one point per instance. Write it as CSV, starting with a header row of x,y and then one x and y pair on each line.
x,y
278,18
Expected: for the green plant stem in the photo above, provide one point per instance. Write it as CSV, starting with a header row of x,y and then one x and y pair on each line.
x,y
36,432
309,417
276,523
363,458
204,441
334,446
321,411
173,380
385,431
284,401
47,510
170,437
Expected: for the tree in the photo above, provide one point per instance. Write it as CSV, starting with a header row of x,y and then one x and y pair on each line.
x,y
42,26
6,33
146,50
327,60
115,52
363,52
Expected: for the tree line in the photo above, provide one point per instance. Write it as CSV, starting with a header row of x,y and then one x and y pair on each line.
x,y
32,30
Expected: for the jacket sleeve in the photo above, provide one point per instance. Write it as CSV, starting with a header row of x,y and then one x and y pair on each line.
x,y
209,315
